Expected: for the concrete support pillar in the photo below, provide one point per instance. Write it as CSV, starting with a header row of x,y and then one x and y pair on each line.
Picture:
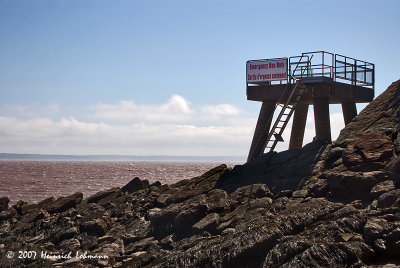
x,y
298,126
321,117
349,111
261,132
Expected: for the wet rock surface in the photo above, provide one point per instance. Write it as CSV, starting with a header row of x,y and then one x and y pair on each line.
x,y
321,206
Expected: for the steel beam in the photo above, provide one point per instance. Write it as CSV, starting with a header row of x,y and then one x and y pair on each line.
x,y
321,117
261,132
298,126
349,111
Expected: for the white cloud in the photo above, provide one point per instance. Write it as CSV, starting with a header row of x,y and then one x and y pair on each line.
x,y
216,112
171,128
177,109
70,136
31,110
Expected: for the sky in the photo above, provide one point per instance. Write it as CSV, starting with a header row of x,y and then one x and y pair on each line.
x,y
166,77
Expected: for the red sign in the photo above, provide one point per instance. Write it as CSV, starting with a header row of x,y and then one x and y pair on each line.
x,y
266,70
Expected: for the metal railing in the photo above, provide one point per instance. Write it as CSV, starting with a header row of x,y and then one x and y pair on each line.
x,y
358,72
335,66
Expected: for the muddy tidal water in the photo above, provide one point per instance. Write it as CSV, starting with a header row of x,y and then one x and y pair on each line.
x,y
33,181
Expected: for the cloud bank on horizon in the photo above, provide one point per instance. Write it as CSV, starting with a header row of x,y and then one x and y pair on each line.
x,y
175,127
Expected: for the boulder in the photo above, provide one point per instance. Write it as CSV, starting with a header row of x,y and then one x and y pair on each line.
x,y
284,193
209,223
188,217
394,165
70,244
97,227
135,185
190,211
317,187
4,203
244,193
7,214
217,200
46,202
115,248
66,234
162,200
300,194
382,188
108,195
64,203
376,228
389,199
369,152
352,184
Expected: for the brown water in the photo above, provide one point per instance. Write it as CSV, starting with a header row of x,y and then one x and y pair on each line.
x,y
33,181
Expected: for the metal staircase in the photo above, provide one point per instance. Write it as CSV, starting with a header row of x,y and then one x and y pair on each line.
x,y
290,100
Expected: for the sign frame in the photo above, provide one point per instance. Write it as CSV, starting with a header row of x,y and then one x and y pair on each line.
x,y
266,70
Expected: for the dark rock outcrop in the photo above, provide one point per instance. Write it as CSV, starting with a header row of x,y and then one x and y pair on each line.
x,y
64,203
369,152
4,203
134,185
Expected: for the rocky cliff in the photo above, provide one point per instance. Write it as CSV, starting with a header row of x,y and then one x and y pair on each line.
x,y
326,205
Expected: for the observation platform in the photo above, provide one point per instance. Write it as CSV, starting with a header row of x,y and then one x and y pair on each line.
x,y
287,86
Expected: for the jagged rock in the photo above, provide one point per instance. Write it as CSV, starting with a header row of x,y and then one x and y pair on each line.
x,y
168,214
115,248
244,193
7,214
300,194
301,252
67,234
217,200
396,143
376,228
381,114
188,217
209,223
153,215
18,206
394,165
284,193
134,185
318,187
105,196
5,227
96,227
228,231
369,152
70,244
389,199
382,188
353,184
27,208
46,202
146,244
4,203
64,203
36,215
224,225
162,199
167,242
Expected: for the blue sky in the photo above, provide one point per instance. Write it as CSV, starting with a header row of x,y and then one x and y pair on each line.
x,y
164,77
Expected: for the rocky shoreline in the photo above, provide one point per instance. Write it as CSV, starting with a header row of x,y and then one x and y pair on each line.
x,y
325,205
